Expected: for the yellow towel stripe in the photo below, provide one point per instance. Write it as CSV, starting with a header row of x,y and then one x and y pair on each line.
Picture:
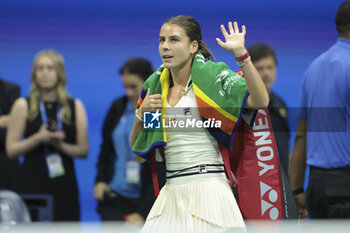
x,y
198,92
164,82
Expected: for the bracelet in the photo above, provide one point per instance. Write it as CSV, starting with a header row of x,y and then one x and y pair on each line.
x,y
298,191
243,57
243,62
137,115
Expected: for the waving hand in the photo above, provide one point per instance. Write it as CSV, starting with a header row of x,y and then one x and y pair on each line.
x,y
234,40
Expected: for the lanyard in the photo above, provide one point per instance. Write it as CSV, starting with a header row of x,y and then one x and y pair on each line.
x,y
44,116
127,132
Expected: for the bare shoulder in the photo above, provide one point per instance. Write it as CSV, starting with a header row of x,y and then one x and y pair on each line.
x,y
79,104
20,105
79,108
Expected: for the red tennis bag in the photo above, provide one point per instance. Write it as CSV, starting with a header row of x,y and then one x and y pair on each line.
x,y
254,160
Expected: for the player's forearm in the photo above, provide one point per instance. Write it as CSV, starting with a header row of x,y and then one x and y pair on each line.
x,y
137,127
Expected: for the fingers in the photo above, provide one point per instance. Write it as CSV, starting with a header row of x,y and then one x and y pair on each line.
x,y
134,218
235,24
230,27
219,42
98,193
156,96
152,102
147,94
243,29
156,102
302,214
140,159
99,189
155,107
233,29
55,138
223,30
43,127
57,134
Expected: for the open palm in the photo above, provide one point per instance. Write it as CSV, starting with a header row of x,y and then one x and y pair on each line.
x,y
234,40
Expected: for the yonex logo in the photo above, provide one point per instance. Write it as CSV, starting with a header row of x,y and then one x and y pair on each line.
x,y
265,155
272,198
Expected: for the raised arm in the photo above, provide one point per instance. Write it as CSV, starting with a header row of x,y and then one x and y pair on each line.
x,y
234,42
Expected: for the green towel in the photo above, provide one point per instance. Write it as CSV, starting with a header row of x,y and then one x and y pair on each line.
x,y
220,94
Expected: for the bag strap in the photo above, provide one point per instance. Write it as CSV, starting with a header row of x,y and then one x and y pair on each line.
x,y
225,157
154,173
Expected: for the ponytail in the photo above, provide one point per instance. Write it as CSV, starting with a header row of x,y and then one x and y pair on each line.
x,y
203,48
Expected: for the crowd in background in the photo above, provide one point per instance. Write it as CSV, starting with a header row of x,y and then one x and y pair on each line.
x,y
49,128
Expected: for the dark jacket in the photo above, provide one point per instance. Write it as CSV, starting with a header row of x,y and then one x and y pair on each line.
x,y
9,169
107,157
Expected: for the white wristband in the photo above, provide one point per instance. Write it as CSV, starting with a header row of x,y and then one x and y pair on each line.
x,y
243,62
137,115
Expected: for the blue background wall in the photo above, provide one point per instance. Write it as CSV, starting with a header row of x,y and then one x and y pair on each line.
x,y
96,37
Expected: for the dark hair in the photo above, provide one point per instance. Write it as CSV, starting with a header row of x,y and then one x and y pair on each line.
x,y
342,19
139,66
260,50
193,31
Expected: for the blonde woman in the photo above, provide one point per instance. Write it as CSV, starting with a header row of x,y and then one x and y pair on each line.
x,y
54,128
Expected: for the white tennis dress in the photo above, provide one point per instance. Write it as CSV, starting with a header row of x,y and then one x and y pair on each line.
x,y
193,203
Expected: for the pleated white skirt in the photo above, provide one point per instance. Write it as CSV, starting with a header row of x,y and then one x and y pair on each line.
x,y
195,206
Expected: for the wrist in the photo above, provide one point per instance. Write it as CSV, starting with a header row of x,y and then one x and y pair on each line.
x,y
298,191
239,52
57,145
37,138
243,59
137,114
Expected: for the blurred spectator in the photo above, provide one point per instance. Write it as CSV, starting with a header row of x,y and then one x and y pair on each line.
x,y
9,169
55,130
323,132
264,59
123,185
